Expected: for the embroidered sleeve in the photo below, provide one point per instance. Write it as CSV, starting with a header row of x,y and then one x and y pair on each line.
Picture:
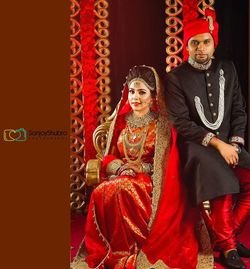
x,y
237,139
207,139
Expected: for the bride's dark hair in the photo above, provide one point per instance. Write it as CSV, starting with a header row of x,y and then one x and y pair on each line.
x,y
144,73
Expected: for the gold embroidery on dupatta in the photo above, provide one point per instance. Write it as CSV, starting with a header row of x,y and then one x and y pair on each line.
x,y
160,159
121,253
205,255
102,237
162,144
143,263
79,263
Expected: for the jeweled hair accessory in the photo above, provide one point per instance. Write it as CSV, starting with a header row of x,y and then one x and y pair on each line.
x,y
141,80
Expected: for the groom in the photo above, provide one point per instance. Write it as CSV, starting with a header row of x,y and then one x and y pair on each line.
x,y
208,111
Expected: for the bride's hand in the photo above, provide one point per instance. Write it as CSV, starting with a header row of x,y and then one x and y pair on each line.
x,y
135,166
128,172
130,169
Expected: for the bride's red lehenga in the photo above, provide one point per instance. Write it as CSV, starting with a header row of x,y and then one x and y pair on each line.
x,y
120,211
142,221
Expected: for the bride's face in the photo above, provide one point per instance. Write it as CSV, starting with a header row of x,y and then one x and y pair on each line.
x,y
139,97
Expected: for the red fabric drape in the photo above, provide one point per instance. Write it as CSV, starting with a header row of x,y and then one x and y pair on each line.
x,y
88,59
177,234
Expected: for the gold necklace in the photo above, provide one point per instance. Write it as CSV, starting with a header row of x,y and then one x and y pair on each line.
x,y
136,148
133,135
134,121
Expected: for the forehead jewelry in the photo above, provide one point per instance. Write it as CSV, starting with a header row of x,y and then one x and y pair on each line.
x,y
137,83
141,80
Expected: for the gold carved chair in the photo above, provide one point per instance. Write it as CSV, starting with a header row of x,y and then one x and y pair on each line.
x,y
99,140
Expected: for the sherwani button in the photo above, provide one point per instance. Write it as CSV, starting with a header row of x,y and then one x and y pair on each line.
x,y
211,104
209,84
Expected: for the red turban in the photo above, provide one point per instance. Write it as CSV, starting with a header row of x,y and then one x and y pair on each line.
x,y
196,26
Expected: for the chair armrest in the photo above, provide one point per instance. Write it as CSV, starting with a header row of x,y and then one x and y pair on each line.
x,y
93,172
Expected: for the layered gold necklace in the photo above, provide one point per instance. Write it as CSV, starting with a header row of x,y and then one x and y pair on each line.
x,y
135,135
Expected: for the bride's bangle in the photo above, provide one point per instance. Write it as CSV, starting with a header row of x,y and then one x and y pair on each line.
x,y
122,168
128,172
147,168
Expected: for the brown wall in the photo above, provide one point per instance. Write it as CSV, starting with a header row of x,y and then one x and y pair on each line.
x,y
34,175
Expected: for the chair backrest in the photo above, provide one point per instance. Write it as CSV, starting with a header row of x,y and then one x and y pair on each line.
x,y
100,136
93,166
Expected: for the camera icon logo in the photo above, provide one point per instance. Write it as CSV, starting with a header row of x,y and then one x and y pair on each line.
x,y
15,135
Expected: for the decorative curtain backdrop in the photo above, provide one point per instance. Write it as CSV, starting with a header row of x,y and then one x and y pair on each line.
x,y
89,86
90,74
77,144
